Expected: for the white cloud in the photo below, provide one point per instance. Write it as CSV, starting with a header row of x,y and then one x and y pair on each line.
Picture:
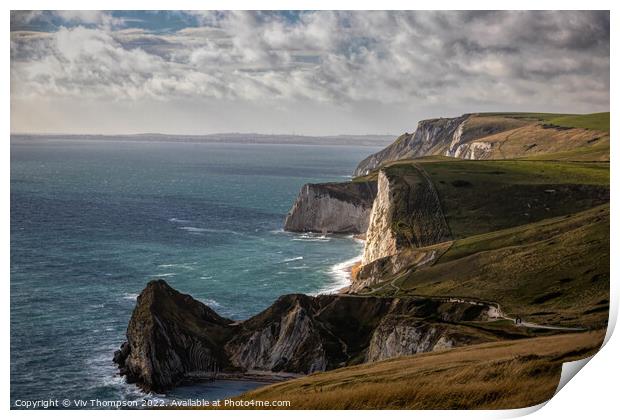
x,y
341,60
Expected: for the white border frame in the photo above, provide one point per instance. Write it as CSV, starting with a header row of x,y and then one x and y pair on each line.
x,y
593,394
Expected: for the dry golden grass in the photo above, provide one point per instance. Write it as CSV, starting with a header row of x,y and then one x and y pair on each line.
x,y
534,139
500,375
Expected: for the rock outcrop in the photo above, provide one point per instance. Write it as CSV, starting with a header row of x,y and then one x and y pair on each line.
x,y
332,208
431,137
483,136
395,337
407,213
172,337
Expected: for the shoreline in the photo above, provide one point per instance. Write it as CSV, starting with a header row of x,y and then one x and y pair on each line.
x,y
350,267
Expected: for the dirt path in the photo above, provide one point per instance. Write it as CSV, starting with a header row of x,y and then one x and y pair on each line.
x,y
545,327
498,309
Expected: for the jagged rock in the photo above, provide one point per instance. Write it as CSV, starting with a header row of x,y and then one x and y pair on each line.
x,y
284,338
172,337
396,336
332,208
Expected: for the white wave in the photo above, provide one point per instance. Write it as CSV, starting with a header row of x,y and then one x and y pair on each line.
x,y
192,229
198,230
311,238
300,267
341,275
308,236
293,259
175,220
163,275
130,296
210,302
186,266
105,374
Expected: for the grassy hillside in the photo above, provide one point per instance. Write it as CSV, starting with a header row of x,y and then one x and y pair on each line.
x,y
565,136
526,116
599,151
488,136
555,271
507,374
485,196
598,121
532,236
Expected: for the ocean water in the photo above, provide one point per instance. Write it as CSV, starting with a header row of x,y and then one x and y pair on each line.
x,y
92,222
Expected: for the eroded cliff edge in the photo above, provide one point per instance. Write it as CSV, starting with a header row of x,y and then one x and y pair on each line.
x,y
407,213
486,136
336,207
172,337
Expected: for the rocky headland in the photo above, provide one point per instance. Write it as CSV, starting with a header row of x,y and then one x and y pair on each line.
x,y
484,136
174,338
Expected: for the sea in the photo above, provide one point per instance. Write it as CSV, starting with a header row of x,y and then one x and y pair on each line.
x,y
93,221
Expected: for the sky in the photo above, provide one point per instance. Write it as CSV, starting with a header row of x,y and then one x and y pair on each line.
x,y
311,73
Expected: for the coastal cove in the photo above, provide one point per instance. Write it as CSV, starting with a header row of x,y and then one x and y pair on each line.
x,y
206,217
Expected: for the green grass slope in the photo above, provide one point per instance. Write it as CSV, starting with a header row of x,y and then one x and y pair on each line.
x,y
598,152
598,121
485,196
555,271
532,236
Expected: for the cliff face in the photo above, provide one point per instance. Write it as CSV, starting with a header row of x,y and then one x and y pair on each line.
x,y
332,208
484,136
529,140
395,337
385,268
407,213
171,337
286,337
430,137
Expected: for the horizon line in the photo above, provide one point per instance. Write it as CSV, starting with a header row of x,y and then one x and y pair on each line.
x,y
199,135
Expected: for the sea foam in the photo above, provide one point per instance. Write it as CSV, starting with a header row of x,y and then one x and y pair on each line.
x,y
293,259
341,275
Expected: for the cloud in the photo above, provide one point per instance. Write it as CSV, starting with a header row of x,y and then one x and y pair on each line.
x,y
344,60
